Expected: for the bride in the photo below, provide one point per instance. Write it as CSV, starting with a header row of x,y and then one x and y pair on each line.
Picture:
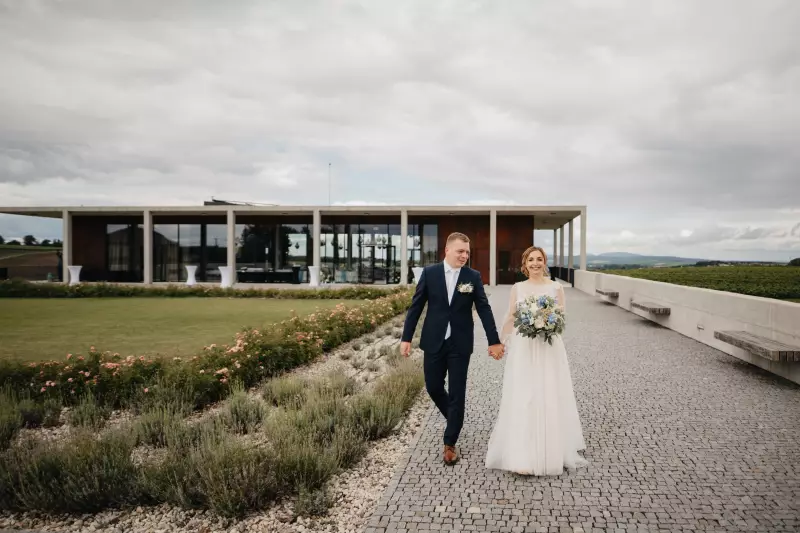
x,y
537,430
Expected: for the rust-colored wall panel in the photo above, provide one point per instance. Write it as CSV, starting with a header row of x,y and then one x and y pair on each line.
x,y
476,227
514,236
89,239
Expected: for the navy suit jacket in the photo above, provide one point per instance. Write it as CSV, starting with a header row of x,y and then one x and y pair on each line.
x,y
432,290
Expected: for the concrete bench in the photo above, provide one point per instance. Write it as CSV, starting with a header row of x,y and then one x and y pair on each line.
x,y
651,308
762,346
610,294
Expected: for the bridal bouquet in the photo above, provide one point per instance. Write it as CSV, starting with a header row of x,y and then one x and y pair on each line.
x,y
539,315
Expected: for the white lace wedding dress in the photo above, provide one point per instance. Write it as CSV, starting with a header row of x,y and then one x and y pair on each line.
x,y
537,430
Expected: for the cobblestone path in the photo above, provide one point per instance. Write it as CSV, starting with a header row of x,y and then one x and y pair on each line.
x,y
680,437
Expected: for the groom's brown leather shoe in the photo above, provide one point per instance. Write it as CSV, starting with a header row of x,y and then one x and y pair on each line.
x,y
450,455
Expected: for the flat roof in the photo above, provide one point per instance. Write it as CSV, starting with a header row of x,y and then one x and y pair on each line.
x,y
546,216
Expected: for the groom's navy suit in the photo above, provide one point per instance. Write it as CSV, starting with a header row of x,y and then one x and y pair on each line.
x,y
449,356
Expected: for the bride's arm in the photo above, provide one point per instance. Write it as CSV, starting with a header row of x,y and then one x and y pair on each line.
x,y
508,323
560,301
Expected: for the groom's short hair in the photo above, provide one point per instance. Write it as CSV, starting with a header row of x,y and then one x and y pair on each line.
x,y
456,236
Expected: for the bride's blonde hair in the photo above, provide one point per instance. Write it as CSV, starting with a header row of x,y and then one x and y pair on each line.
x,y
525,256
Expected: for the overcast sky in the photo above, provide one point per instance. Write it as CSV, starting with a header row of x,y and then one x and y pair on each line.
x,y
676,122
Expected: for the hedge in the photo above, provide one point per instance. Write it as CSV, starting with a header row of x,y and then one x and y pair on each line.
x,y
16,288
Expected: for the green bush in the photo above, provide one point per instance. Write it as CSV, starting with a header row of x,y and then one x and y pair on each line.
x,y
52,412
17,288
81,475
312,502
215,472
286,391
155,425
336,383
89,414
245,414
32,412
10,422
376,414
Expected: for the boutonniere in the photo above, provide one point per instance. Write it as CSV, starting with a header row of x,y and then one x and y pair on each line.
x,y
465,288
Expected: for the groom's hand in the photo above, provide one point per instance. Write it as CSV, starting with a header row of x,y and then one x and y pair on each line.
x,y
405,348
496,351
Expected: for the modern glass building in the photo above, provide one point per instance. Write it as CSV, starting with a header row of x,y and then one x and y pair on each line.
x,y
266,244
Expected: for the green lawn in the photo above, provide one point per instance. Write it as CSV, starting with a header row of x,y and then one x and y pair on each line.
x,y
40,329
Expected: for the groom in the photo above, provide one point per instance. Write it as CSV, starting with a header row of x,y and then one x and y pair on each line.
x,y
450,289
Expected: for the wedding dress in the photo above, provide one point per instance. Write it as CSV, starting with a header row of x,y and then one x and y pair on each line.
x,y
537,430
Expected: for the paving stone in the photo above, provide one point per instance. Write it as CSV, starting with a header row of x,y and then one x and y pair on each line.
x,y
680,437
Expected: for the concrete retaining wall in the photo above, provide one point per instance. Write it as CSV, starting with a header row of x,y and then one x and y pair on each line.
x,y
697,313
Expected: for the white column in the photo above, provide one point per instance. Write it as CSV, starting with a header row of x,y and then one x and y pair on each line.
x,y
493,247
403,247
555,248
317,223
571,263
66,247
147,245
232,244
561,257
583,240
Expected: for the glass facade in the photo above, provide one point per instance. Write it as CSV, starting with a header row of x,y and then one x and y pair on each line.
x,y
177,245
360,251
370,253
273,249
124,252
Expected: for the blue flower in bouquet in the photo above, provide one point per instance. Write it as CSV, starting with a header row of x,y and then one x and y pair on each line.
x,y
551,318
542,303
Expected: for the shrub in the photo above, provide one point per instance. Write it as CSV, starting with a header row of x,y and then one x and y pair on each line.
x,y
52,412
82,474
10,422
287,391
155,425
215,472
312,502
373,366
345,355
376,414
394,358
244,413
357,363
89,414
336,383
17,288
32,413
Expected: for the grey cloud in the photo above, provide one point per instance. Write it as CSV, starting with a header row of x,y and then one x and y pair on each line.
x,y
679,114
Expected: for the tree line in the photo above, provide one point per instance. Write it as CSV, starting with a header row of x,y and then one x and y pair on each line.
x,y
30,240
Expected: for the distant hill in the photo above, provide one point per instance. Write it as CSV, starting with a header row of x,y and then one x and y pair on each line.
x,y
610,260
625,258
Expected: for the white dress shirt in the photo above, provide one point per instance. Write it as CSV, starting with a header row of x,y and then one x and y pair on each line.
x,y
450,277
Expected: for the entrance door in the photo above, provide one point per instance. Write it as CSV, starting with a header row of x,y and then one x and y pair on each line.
x,y
366,269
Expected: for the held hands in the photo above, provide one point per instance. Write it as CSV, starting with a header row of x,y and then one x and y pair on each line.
x,y
497,351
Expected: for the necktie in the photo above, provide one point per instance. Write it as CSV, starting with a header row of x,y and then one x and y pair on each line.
x,y
449,281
